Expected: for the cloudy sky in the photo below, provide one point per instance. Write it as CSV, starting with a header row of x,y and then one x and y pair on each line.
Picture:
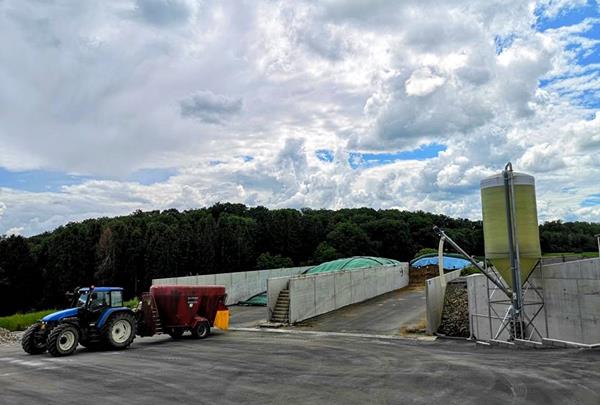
x,y
111,106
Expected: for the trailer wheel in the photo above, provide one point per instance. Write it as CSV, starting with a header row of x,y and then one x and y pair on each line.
x,y
176,333
63,340
29,342
201,330
119,331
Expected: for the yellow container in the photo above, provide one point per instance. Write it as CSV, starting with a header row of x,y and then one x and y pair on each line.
x,y
495,227
222,319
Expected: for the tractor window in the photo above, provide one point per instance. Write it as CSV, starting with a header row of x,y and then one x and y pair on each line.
x,y
98,300
116,299
82,299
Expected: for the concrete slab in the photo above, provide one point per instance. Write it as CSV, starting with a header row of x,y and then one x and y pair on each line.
x,y
388,314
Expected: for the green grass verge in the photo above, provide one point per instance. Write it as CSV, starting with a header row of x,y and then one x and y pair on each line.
x,y
584,254
22,321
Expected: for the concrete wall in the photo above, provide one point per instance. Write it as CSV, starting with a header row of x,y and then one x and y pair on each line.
x,y
312,295
434,298
239,286
571,293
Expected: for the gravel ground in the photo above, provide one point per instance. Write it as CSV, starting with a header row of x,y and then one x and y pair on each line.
x,y
8,337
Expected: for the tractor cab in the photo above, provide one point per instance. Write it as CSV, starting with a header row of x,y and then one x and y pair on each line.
x,y
94,299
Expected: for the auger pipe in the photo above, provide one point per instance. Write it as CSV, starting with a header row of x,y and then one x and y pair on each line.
x,y
443,235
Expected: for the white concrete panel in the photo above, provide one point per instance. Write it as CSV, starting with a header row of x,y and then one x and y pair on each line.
x,y
252,282
569,270
302,298
358,286
343,289
370,282
324,293
590,269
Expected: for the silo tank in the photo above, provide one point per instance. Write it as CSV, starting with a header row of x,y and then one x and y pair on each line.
x,y
495,227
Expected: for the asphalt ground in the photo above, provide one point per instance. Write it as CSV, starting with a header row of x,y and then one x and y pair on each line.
x,y
301,368
386,314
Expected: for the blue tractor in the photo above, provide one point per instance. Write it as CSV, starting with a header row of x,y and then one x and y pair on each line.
x,y
97,319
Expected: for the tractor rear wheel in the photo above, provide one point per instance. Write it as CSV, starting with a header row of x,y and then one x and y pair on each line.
x,y
63,340
29,342
119,331
201,330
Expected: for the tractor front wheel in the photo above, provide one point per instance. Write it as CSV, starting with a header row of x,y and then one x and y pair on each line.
x,y
63,340
30,343
119,331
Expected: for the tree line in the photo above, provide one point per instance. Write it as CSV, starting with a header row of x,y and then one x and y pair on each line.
x,y
130,251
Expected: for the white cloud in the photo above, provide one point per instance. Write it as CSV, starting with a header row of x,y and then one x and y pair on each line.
x,y
107,88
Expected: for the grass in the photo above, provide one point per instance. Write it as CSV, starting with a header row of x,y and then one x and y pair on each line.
x,y
20,321
584,254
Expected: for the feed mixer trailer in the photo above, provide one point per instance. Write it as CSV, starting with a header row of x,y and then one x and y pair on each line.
x,y
175,309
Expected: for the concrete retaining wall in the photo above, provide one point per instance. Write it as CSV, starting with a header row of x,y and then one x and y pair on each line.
x,y
239,286
571,293
312,295
434,298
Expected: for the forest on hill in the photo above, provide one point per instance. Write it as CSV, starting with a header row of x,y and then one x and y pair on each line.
x,y
130,251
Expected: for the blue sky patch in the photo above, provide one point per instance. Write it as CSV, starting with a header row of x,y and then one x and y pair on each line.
x,y
38,180
566,17
591,201
324,155
52,181
364,160
503,43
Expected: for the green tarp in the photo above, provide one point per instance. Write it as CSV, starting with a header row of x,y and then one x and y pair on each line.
x,y
350,263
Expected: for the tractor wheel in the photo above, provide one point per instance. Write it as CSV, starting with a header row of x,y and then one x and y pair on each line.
x,y
201,330
29,342
176,333
119,331
63,340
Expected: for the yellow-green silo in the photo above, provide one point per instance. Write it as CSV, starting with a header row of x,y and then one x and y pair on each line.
x,y
495,227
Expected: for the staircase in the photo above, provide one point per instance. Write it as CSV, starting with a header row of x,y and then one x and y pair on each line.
x,y
150,323
282,308
156,319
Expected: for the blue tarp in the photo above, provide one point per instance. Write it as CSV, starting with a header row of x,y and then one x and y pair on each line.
x,y
450,263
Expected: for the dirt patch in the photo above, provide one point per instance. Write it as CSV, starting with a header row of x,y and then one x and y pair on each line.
x,y
7,337
418,276
417,329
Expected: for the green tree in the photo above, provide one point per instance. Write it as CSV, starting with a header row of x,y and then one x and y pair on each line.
x,y
269,261
325,253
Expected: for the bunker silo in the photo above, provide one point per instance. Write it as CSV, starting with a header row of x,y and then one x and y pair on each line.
x,y
508,202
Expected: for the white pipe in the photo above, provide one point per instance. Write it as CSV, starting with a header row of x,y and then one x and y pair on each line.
x,y
441,261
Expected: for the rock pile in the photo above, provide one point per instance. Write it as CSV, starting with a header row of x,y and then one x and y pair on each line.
x,y
455,316
7,336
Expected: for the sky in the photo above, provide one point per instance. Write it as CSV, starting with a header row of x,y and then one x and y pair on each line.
x,y
113,106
